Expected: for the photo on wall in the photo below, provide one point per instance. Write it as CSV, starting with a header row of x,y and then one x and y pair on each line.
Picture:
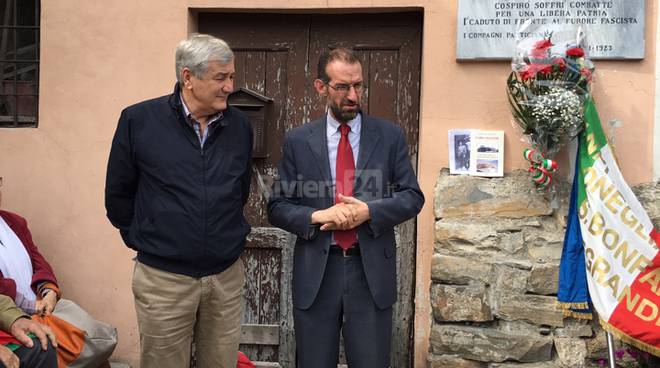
x,y
476,152
459,151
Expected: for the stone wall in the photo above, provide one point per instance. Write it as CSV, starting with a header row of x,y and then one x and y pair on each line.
x,y
494,274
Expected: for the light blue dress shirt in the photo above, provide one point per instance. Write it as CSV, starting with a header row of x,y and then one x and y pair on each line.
x,y
196,125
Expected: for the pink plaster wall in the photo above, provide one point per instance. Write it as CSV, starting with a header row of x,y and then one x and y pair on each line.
x,y
98,57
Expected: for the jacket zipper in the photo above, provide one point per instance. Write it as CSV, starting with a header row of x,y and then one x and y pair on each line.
x,y
197,143
204,204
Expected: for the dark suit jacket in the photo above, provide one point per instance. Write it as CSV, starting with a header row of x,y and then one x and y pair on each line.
x,y
384,179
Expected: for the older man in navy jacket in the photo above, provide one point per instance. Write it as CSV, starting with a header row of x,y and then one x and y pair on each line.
x,y
178,178
345,180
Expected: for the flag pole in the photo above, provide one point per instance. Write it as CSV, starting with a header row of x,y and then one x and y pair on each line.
x,y
610,349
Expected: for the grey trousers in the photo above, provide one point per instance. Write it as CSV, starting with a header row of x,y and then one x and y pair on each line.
x,y
344,304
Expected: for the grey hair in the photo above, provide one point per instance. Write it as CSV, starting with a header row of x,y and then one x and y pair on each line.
x,y
197,51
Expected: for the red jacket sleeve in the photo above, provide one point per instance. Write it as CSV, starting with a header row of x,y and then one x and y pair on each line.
x,y
7,287
41,269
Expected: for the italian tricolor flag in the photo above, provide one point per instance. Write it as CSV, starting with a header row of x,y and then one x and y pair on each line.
x,y
9,341
612,233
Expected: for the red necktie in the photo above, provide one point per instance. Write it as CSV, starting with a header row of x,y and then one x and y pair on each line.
x,y
344,178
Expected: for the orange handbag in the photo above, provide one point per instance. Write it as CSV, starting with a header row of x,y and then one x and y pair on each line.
x,y
70,339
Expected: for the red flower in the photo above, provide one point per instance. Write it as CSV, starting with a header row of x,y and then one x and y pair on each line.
x,y
545,68
586,73
538,54
560,62
527,73
531,70
575,52
543,44
540,50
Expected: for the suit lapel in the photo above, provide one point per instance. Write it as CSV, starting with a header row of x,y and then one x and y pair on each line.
x,y
369,138
318,144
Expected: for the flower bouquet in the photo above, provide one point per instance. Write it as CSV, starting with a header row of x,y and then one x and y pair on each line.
x,y
631,358
547,88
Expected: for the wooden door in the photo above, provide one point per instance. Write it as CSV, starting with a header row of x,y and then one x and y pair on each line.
x,y
276,55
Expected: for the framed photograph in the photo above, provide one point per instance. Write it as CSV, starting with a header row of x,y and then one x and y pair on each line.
x,y
488,157
459,151
476,152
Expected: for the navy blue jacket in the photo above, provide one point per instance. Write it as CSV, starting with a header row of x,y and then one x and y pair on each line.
x,y
385,180
180,206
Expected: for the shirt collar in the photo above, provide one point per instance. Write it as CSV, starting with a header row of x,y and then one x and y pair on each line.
x,y
333,124
188,116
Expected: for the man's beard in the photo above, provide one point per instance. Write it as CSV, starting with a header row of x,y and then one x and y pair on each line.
x,y
343,116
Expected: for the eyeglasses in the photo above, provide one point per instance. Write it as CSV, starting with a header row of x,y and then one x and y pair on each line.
x,y
346,87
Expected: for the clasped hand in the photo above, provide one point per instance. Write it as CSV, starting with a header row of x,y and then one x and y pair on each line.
x,y
349,213
46,305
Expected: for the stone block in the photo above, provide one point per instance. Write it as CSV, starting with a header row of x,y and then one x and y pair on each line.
x,y
513,243
522,328
487,237
544,244
471,233
488,344
512,196
452,361
572,352
516,263
545,251
549,364
544,279
459,270
597,345
460,303
535,309
575,328
509,280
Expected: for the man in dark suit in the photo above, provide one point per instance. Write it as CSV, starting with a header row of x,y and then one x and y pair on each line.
x,y
344,182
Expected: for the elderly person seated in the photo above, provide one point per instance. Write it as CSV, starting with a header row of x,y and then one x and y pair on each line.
x,y
28,279
17,349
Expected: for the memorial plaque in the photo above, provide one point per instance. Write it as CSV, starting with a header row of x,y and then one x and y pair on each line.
x,y
487,29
